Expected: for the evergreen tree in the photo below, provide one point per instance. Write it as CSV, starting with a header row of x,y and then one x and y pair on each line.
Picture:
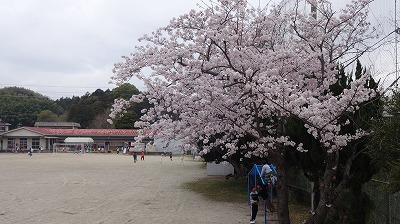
x,y
385,143
312,162
20,106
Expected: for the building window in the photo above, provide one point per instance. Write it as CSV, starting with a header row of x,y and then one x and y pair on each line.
x,y
11,143
35,143
23,143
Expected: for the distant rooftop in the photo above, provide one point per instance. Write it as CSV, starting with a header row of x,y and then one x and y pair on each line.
x,y
4,124
74,132
58,124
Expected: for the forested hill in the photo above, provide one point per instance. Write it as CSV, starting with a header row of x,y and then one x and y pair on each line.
x,y
24,107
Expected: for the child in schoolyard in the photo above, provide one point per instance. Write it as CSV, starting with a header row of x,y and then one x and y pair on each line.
x,y
142,155
162,157
170,155
30,152
265,170
254,204
264,194
134,156
267,174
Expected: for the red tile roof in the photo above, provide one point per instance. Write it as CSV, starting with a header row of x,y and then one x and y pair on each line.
x,y
85,132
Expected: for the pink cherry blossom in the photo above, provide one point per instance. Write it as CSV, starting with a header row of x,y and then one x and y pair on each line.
x,y
235,70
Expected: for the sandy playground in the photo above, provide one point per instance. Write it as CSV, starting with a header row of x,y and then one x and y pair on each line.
x,y
107,188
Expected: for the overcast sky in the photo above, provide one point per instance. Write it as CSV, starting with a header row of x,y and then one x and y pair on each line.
x,y
62,48
68,47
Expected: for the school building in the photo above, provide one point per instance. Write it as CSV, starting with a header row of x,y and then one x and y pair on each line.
x,y
47,135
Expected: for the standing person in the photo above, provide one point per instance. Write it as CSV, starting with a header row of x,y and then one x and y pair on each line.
x,y
30,151
134,156
254,204
170,155
162,157
263,193
117,150
142,155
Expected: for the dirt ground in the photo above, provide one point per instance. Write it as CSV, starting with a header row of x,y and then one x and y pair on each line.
x,y
107,188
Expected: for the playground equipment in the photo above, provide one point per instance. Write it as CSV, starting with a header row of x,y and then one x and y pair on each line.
x,y
254,177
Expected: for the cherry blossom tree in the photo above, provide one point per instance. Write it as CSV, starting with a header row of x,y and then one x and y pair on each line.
x,y
237,72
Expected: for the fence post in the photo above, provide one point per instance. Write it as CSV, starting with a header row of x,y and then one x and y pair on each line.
x,y
312,196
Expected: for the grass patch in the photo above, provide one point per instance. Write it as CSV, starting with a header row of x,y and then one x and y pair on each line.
x,y
298,212
235,191
219,189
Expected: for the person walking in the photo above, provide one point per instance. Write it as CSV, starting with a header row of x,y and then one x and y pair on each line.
x,y
30,152
134,156
254,204
142,155
170,155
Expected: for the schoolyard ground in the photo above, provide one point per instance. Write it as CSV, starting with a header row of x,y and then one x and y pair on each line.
x,y
107,188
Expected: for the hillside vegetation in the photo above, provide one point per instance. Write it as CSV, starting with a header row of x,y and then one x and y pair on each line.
x,y
24,107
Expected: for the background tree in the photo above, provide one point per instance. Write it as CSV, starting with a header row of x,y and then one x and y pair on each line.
x,y
126,120
84,110
49,116
125,91
131,114
88,107
66,103
385,144
351,207
100,121
20,106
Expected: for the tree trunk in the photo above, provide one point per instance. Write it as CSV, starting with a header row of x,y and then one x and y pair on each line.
x,y
317,192
327,189
323,206
282,189
360,215
281,186
239,171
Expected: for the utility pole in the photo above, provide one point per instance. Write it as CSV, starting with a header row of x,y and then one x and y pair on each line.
x,y
396,42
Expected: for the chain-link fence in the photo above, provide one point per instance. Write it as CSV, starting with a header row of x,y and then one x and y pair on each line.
x,y
385,206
